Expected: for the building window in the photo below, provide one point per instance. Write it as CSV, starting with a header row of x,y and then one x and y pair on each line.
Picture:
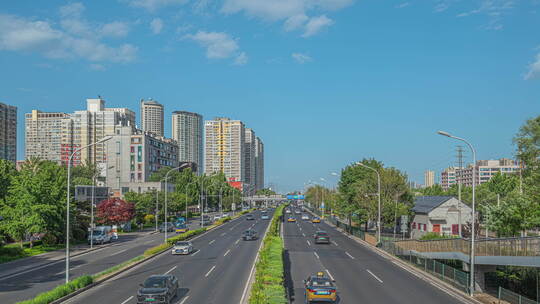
x,y
132,149
139,167
139,176
413,225
139,153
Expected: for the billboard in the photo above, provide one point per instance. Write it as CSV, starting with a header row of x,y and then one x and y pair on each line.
x,y
295,197
237,185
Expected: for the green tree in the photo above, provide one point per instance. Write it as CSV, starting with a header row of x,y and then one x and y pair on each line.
x,y
527,141
516,214
265,191
7,173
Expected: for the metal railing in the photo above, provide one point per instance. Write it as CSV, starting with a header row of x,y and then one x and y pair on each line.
x,y
520,246
514,298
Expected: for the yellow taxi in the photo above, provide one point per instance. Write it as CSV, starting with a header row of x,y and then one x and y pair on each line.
x,y
320,289
181,228
291,220
316,220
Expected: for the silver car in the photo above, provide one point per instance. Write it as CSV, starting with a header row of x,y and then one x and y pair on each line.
x,y
182,247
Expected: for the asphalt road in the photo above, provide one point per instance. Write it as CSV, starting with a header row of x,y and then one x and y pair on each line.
x,y
36,275
361,275
217,272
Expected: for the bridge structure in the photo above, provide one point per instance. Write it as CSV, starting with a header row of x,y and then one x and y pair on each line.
x,y
489,253
264,199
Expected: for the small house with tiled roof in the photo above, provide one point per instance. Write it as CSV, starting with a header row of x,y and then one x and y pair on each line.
x,y
439,214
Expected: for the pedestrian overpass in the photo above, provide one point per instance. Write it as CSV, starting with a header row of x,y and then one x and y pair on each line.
x,y
263,199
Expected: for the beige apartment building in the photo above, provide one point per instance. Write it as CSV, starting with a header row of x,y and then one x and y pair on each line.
x,y
449,177
429,178
8,132
48,135
259,164
486,169
224,148
152,117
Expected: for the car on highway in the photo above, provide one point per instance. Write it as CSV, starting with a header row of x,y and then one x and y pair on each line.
x,y
297,211
182,247
217,217
287,211
305,217
321,237
100,235
181,228
169,227
250,235
264,216
158,289
319,288
250,217
316,220
225,215
291,220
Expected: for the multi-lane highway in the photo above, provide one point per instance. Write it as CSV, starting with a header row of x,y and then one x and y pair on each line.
x,y
24,279
216,272
361,275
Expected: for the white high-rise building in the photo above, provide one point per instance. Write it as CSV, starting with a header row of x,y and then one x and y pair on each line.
x,y
249,160
48,136
187,130
224,148
152,117
259,164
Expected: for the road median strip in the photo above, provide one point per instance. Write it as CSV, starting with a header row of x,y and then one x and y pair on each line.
x,y
269,287
80,284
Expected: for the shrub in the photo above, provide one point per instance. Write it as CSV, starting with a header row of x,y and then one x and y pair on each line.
x,y
60,291
435,236
149,218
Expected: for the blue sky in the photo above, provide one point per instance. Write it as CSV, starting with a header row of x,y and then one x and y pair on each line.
x,y
322,82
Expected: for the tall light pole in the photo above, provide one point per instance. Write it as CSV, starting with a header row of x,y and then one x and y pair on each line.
x,y
187,188
379,198
92,211
104,139
473,228
166,191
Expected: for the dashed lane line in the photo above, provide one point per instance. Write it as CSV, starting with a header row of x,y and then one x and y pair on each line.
x,y
210,271
371,273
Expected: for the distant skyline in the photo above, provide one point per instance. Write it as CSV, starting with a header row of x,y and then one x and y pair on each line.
x,y
324,83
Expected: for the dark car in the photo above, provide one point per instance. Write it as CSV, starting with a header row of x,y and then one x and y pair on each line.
x,y
250,235
170,227
158,289
250,217
321,237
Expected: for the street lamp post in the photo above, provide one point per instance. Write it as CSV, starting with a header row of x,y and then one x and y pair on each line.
x,y
473,228
92,211
379,199
187,188
166,191
104,139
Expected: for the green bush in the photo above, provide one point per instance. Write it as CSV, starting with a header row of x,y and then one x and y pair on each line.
x,y
435,236
268,287
60,291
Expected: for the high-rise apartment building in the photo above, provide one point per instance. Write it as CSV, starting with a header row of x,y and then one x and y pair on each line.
x,y
133,155
224,148
94,123
152,117
429,178
250,167
187,130
486,169
48,136
259,164
449,177
8,132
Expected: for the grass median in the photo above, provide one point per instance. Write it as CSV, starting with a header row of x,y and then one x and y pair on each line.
x,y
268,287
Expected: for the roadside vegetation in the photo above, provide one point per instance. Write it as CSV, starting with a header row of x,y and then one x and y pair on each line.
x,y
268,287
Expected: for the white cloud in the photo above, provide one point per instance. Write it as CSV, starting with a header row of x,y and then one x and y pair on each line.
x,y
156,25
241,59
154,5
316,24
72,10
494,9
301,58
97,67
295,13
115,29
218,45
20,34
534,69
402,5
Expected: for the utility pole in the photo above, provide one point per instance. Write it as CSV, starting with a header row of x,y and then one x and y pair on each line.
x,y
458,180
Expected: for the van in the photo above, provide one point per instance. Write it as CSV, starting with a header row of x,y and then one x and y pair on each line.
x,y
100,235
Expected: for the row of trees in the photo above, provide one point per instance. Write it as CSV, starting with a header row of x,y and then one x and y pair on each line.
x,y
507,204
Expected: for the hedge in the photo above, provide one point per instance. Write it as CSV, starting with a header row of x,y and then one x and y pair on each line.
x,y
269,285
60,291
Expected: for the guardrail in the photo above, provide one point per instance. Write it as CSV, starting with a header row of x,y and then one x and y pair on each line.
x,y
514,298
520,246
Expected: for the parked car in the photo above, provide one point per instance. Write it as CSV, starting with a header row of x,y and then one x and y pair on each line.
x,y
158,289
100,235
169,227
182,247
250,235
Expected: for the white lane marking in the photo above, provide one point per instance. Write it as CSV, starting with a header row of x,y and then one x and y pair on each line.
x,y
237,241
349,255
171,270
184,300
193,254
211,242
309,244
118,252
335,243
128,299
330,275
371,273
304,234
316,255
232,228
223,233
209,271
226,252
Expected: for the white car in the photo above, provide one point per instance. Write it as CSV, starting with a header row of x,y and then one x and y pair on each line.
x,y
287,211
225,214
182,247
305,217
217,217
